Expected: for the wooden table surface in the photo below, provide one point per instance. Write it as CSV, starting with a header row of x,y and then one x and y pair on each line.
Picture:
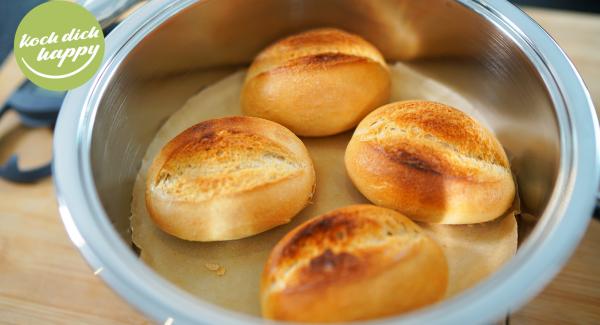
x,y
43,279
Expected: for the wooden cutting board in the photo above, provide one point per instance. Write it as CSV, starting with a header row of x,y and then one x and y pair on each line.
x,y
43,279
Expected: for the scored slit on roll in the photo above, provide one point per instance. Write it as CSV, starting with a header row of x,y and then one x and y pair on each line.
x,y
473,251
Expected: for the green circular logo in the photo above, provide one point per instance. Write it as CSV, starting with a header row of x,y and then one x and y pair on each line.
x,y
59,45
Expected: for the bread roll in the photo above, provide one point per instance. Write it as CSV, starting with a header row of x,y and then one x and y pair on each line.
x,y
316,83
229,178
431,162
353,263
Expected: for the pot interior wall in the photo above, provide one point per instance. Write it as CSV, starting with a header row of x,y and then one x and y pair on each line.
x,y
210,39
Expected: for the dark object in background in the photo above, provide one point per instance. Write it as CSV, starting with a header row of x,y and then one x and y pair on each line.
x,y
36,107
577,5
11,13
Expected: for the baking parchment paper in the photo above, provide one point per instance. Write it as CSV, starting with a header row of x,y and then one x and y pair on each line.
x,y
228,273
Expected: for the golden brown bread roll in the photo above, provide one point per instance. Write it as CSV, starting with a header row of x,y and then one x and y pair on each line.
x,y
229,178
353,263
316,83
431,162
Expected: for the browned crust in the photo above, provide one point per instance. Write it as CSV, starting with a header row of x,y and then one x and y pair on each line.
x,y
332,253
203,135
315,48
319,36
317,83
327,228
228,214
450,125
319,41
315,63
306,80
317,96
412,160
340,228
425,179
417,191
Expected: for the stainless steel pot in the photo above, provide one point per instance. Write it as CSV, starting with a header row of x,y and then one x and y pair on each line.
x,y
528,90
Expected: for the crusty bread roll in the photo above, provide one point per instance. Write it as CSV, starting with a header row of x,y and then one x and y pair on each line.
x,y
353,263
229,178
431,162
316,83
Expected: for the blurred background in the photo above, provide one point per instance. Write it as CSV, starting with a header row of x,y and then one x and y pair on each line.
x,y
577,5
28,214
11,13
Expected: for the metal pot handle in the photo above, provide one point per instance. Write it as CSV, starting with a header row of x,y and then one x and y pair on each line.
x,y
107,11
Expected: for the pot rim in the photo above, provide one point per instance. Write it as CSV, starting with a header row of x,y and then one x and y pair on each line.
x,y
538,259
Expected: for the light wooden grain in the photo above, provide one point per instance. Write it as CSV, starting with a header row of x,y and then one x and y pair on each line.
x,y
579,36
574,296
10,78
44,280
